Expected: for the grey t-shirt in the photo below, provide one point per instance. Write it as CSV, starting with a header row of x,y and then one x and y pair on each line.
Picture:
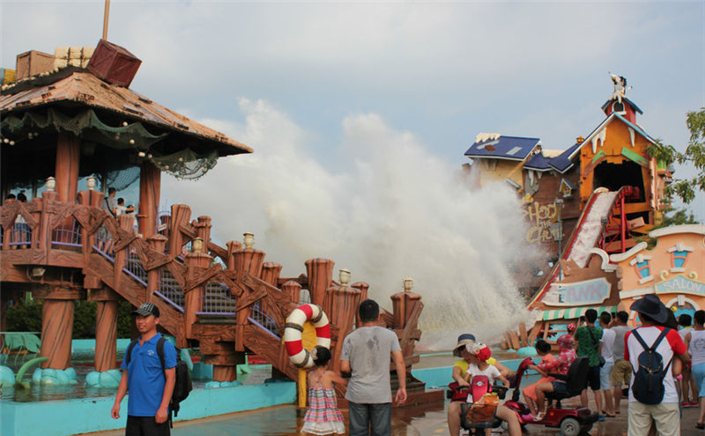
x,y
618,347
369,351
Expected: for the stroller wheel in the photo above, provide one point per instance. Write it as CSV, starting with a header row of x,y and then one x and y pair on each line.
x,y
570,427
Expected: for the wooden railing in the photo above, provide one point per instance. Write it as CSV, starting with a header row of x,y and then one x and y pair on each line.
x,y
220,297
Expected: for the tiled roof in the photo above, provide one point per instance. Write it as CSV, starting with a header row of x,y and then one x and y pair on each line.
x,y
503,147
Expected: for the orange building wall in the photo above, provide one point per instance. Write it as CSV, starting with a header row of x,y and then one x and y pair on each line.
x,y
676,287
616,137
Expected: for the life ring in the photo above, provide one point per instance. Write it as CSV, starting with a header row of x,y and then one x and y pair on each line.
x,y
294,327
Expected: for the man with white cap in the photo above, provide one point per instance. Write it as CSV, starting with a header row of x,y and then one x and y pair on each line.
x,y
149,380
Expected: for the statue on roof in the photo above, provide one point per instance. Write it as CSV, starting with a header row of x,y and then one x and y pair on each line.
x,y
620,87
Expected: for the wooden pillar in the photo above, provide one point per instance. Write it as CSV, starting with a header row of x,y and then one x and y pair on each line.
x,y
293,290
68,154
363,287
180,215
105,328
340,305
224,373
233,246
248,260
320,276
271,272
157,243
150,186
45,232
193,301
92,198
57,330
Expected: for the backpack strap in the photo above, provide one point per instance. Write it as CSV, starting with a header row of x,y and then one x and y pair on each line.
x,y
107,206
128,353
160,351
652,348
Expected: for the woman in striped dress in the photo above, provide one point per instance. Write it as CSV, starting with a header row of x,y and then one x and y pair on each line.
x,y
323,416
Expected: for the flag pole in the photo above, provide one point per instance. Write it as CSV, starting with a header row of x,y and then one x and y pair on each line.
x,y
105,19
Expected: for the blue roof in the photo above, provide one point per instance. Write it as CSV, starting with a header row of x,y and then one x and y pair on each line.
x,y
563,162
504,147
538,162
631,103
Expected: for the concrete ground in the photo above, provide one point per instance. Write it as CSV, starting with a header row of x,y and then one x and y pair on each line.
x,y
420,421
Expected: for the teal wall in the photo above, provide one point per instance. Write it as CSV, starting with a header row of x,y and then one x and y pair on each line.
x,y
68,417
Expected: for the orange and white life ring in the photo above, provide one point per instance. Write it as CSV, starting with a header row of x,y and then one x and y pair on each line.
x,y
294,327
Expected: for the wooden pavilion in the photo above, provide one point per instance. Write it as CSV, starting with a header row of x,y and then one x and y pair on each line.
x,y
82,122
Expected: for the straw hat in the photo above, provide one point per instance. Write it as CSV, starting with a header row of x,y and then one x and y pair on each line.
x,y
464,339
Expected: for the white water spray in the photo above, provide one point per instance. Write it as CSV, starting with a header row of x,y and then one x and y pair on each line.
x,y
395,210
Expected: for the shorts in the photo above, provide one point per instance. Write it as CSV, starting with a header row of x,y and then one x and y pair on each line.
x,y
593,378
605,372
699,376
559,387
146,426
621,373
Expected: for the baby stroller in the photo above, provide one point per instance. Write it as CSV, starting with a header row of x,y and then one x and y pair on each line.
x,y
571,421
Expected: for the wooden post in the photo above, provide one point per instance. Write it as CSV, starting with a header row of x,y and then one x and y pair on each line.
x,y
57,329
89,198
150,186
68,154
251,261
293,290
157,243
180,215
193,298
203,227
106,328
320,276
363,287
271,272
44,230
340,305
233,246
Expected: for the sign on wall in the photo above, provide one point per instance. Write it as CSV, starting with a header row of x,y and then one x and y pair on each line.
x,y
681,285
588,292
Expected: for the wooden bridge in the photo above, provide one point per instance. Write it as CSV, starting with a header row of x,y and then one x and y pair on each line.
x,y
224,300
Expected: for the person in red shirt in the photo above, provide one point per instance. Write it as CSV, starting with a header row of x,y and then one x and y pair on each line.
x,y
559,365
666,415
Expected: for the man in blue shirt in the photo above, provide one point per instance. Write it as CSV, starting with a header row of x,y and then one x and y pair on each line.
x,y
150,386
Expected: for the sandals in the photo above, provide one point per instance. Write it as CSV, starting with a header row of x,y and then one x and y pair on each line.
x,y
700,426
540,416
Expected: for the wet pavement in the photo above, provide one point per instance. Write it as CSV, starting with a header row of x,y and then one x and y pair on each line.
x,y
420,421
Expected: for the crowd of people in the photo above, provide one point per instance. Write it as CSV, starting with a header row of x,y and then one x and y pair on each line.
x,y
614,352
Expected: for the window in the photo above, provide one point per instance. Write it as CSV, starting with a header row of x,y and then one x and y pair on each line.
x,y
679,254
641,264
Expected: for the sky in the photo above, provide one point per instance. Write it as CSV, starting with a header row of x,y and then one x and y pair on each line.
x,y
359,113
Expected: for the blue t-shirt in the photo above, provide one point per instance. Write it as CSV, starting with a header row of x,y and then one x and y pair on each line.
x,y
145,377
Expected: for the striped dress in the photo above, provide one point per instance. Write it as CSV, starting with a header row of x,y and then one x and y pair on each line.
x,y
322,416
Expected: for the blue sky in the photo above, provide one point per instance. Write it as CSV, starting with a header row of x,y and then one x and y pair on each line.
x,y
342,101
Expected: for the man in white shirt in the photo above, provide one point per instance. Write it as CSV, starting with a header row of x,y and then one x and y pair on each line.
x,y
606,345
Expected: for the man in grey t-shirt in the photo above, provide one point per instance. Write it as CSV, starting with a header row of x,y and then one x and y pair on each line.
x,y
622,369
366,354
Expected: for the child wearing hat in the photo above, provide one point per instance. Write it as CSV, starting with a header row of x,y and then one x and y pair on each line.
x,y
479,354
461,366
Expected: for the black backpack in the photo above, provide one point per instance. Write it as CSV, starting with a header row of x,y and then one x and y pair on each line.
x,y
648,378
182,385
